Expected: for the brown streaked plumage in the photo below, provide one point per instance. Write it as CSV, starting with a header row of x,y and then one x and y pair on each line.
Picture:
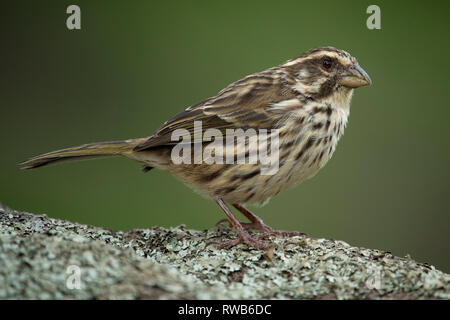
x,y
306,99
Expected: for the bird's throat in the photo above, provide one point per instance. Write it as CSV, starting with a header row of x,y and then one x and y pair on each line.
x,y
341,98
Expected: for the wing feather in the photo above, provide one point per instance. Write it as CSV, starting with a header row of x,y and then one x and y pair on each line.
x,y
243,104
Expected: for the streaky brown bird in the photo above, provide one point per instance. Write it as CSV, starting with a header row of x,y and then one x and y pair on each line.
x,y
304,104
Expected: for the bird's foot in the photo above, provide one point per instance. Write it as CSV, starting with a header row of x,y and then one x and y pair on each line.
x,y
268,231
265,229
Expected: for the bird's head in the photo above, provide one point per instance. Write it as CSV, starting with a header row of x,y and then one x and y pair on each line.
x,y
323,72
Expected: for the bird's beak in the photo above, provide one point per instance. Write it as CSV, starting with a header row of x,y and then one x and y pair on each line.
x,y
355,77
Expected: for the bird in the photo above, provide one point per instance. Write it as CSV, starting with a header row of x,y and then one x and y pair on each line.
x,y
303,103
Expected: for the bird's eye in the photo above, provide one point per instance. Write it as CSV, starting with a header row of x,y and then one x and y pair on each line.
x,y
327,63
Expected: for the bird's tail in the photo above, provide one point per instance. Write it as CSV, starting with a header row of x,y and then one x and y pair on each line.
x,y
85,151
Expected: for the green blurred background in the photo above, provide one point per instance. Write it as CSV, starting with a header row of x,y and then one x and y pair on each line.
x,y
135,64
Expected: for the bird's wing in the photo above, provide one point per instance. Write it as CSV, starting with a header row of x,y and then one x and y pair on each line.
x,y
243,104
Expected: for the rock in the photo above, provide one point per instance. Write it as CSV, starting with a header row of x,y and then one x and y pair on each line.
x,y
45,258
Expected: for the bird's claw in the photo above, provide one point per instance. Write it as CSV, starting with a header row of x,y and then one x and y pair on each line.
x,y
265,229
223,221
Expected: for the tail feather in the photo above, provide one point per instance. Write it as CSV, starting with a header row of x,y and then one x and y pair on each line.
x,y
85,151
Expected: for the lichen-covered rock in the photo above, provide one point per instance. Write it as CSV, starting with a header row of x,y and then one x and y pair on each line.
x,y
44,258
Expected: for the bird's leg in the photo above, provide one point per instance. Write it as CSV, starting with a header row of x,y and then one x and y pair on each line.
x,y
257,223
243,236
